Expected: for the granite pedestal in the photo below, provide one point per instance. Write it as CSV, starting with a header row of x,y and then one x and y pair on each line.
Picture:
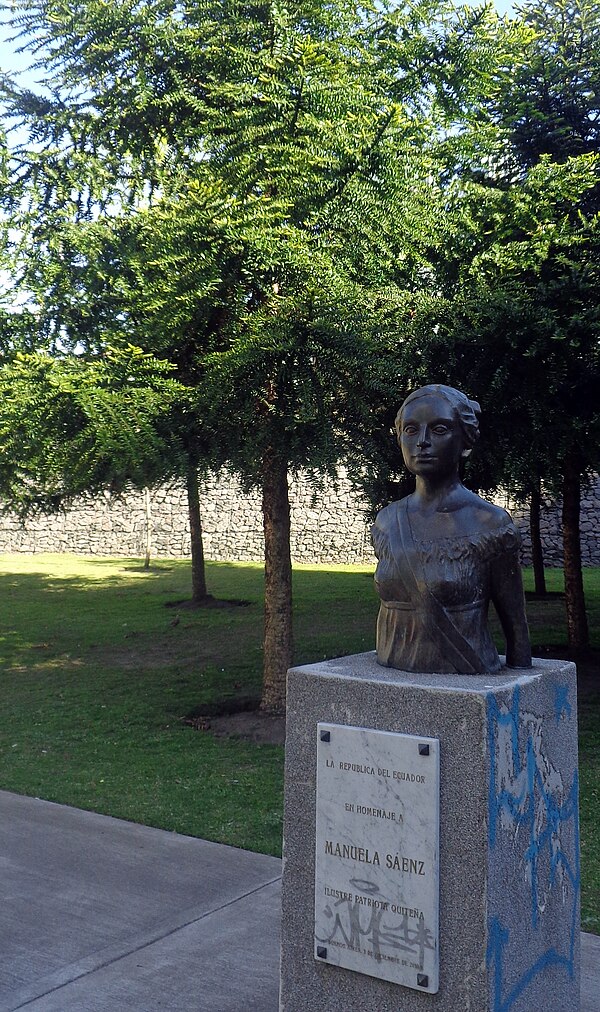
x,y
508,859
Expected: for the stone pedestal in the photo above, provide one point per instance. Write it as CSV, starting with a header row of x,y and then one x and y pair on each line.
x,y
508,836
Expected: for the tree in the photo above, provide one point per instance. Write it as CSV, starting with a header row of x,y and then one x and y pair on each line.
x,y
550,105
554,111
520,330
512,312
551,110
242,171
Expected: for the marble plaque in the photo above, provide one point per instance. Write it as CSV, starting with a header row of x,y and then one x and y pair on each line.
x,y
377,854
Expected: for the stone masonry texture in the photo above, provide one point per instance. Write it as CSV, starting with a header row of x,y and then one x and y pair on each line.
x,y
329,525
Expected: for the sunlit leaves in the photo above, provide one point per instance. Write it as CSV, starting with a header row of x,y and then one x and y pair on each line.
x,y
70,427
254,191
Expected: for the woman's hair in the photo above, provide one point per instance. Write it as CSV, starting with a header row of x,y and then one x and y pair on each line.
x,y
465,411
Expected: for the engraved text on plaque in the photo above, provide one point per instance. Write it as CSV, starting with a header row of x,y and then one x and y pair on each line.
x,y
377,854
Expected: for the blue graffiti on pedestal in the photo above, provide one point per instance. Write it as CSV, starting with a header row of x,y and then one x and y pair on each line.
x,y
561,702
527,796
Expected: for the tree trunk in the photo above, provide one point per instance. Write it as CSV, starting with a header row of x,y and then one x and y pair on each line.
x,y
198,569
537,552
278,641
148,527
577,625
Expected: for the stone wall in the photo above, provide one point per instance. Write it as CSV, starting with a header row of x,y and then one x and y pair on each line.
x,y
327,526
551,528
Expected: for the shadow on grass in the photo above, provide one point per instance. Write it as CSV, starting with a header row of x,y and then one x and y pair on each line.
x,y
97,681
110,613
188,604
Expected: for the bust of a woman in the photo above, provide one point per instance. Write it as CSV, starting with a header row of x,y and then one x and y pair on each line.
x,y
444,553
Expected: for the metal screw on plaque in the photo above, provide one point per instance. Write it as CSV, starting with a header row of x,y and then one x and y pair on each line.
x,y
423,749
325,735
321,952
422,980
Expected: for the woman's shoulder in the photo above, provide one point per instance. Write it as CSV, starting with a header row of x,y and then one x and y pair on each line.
x,y
490,521
482,511
489,514
388,515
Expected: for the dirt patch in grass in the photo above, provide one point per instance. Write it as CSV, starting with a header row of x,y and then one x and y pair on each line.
x,y
207,602
252,725
242,718
238,718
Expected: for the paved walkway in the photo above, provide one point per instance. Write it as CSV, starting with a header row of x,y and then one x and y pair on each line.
x,y
99,915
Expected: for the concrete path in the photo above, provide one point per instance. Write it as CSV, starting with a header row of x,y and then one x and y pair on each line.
x,y
99,915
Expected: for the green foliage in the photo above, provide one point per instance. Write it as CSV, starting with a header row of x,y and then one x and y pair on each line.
x,y
18,330
263,196
526,324
72,426
552,105
301,209
246,192
515,321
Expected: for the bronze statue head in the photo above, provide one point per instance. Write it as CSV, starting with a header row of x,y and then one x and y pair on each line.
x,y
464,411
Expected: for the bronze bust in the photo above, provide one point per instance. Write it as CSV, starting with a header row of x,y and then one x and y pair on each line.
x,y
444,553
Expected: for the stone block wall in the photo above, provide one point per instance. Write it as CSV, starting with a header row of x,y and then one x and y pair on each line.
x,y
329,526
551,528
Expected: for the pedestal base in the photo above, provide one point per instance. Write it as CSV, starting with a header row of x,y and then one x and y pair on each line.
x,y
509,844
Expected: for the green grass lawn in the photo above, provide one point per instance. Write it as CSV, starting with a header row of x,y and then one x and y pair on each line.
x,y
97,673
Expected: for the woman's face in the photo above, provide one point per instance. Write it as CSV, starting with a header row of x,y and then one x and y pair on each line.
x,y
430,438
